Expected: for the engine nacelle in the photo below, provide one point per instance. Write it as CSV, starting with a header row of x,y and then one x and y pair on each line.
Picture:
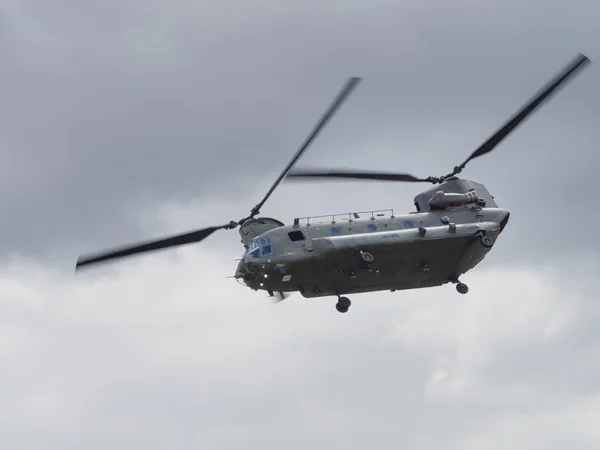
x,y
454,186
444,200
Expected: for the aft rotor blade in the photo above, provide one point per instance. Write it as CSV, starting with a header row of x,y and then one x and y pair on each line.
x,y
333,108
544,94
380,176
173,241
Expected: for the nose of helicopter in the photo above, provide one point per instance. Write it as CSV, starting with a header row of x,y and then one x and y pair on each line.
x,y
252,264
504,220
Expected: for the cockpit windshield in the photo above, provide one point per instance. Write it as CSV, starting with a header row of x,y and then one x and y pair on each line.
x,y
260,246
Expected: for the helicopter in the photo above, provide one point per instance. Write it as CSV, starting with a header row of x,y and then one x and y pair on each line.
x,y
456,224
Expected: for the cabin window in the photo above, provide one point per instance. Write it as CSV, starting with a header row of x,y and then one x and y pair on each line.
x,y
296,236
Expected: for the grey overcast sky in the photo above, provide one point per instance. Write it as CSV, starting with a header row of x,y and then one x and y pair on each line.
x,y
122,121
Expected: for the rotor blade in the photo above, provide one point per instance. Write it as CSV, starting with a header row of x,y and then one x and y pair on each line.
x,y
544,94
335,105
381,176
182,239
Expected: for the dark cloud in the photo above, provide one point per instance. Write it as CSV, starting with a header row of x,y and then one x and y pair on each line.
x,y
121,121
107,107
170,353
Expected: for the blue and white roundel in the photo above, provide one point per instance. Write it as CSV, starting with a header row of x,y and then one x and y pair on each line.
x,y
371,227
408,224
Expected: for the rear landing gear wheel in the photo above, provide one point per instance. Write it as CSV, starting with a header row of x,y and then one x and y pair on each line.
x,y
462,288
343,304
486,241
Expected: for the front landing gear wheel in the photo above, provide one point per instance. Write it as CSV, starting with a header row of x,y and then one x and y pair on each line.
x,y
462,288
343,304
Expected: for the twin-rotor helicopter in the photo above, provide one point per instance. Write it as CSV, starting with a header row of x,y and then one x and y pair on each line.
x,y
455,225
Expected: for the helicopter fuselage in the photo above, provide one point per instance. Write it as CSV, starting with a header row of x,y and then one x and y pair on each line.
x,y
455,225
354,253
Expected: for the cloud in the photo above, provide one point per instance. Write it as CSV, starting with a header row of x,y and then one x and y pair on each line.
x,y
165,351
120,123
107,105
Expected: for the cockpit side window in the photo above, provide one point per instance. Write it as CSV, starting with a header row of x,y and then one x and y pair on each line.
x,y
261,245
266,246
254,249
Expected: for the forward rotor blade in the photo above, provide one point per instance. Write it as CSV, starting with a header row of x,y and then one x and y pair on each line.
x,y
380,176
544,94
333,108
197,236
173,241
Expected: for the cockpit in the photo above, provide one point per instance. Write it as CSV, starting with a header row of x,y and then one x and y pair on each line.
x,y
260,246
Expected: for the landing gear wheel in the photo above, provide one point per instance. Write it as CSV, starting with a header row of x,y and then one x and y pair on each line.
x,y
340,308
462,288
343,304
486,241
